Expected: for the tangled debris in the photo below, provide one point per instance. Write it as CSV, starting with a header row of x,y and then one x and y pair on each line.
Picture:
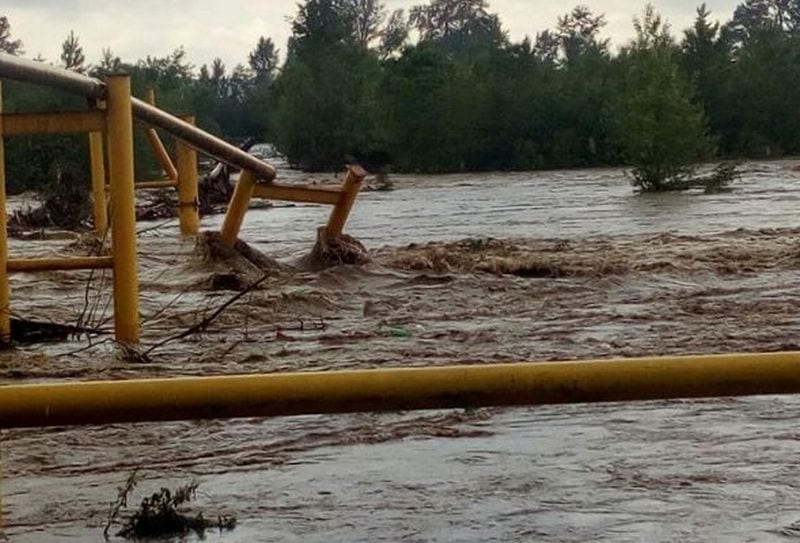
x,y
215,187
236,268
215,190
64,204
156,205
332,251
733,253
31,332
381,183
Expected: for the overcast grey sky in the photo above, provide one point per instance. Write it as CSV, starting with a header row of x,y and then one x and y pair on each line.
x,y
230,28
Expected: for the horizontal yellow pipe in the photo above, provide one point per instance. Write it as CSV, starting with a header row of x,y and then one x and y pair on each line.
x,y
147,185
19,124
151,185
297,193
57,264
42,405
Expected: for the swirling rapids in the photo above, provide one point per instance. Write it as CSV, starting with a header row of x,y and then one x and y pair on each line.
x,y
467,268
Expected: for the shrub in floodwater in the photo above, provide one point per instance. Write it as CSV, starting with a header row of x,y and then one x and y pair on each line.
x,y
164,514
724,175
663,133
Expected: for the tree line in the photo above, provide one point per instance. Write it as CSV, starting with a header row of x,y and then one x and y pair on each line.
x,y
442,88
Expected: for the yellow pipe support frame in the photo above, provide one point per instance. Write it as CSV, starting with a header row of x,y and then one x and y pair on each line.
x,y
237,208
350,190
158,146
99,200
298,193
642,379
123,209
59,264
22,124
5,289
188,190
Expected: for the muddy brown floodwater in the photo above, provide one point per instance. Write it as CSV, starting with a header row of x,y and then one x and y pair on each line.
x,y
468,268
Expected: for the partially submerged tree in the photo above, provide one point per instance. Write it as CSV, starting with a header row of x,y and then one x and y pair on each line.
x,y
662,132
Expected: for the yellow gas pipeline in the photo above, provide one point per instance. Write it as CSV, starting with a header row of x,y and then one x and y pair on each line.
x,y
398,389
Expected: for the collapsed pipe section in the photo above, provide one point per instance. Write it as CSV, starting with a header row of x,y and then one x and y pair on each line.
x,y
202,141
29,71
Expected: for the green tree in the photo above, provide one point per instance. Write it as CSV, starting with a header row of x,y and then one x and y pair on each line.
x,y
263,60
394,35
585,70
367,17
755,16
219,81
321,24
578,34
7,45
109,64
707,58
72,57
458,25
325,94
662,132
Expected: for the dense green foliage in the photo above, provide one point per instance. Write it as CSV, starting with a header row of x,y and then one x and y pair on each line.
x,y
443,88
663,134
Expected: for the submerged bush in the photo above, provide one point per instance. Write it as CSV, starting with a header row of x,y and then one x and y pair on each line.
x,y
663,133
163,514
160,515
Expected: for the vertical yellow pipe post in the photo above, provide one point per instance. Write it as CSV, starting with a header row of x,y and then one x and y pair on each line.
x,y
350,190
237,208
188,191
5,290
158,146
99,203
123,209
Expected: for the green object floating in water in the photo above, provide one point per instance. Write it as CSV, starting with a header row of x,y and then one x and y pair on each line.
x,y
399,332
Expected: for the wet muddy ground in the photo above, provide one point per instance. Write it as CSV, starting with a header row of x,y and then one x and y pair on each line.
x,y
479,269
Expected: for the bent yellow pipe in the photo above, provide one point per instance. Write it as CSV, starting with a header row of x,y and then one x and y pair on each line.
x,y
398,389
237,208
157,145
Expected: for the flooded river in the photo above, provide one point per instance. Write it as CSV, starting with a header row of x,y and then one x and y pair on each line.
x,y
471,268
